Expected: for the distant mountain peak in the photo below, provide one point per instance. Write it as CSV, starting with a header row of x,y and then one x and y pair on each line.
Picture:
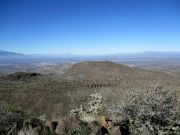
x,y
7,53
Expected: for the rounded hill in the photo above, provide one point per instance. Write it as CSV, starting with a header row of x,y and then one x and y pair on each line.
x,y
99,70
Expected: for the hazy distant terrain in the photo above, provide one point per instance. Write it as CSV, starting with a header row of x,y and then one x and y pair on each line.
x,y
58,64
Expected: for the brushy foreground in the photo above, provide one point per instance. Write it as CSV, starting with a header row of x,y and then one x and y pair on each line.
x,y
151,112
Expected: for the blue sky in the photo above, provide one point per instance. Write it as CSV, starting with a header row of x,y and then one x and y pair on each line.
x,y
89,26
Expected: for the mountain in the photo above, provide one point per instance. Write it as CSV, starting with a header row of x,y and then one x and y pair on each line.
x,y
137,55
104,70
6,53
159,54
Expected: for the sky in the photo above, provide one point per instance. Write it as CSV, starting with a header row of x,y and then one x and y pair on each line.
x,y
89,26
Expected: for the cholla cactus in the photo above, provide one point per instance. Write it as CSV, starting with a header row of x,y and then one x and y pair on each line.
x,y
78,112
91,110
95,105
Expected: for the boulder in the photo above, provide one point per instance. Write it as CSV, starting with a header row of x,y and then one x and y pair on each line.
x,y
115,131
10,123
102,121
67,125
34,126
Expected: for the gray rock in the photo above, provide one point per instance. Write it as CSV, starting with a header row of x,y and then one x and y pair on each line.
x,y
115,131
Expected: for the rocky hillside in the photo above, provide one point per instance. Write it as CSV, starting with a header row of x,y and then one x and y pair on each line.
x,y
134,117
98,70
56,96
110,72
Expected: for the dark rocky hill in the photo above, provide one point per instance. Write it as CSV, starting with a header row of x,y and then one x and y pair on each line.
x,y
20,76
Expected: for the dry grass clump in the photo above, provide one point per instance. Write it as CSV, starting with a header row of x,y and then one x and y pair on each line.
x,y
150,112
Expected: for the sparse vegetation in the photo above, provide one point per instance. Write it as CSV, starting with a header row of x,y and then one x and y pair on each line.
x,y
91,110
150,112
83,129
143,110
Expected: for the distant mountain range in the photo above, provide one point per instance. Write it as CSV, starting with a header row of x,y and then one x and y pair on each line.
x,y
149,54
146,54
6,53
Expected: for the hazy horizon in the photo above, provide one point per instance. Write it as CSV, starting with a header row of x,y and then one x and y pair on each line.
x,y
98,54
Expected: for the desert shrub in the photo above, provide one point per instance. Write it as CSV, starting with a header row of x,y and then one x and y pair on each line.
x,y
83,129
15,110
10,122
150,112
90,110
